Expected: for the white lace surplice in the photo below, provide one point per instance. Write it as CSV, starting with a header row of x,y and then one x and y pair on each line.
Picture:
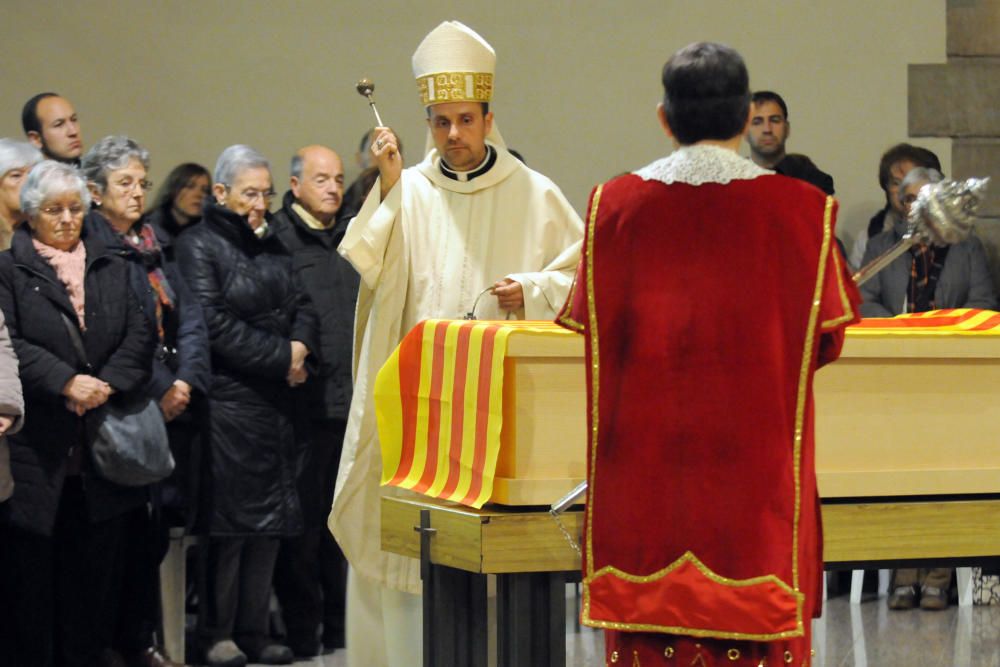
x,y
700,164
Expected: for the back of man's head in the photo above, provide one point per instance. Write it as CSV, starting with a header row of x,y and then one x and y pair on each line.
x,y
762,96
920,157
706,93
29,113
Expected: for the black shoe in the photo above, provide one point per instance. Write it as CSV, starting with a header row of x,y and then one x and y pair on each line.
x,y
303,647
154,656
333,639
268,653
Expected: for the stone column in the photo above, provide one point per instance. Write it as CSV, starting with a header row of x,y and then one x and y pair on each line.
x,y
961,100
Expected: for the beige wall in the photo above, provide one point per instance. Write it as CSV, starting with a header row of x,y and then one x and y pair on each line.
x,y
576,81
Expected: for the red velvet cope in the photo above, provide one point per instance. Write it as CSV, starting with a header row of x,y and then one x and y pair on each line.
x,y
706,309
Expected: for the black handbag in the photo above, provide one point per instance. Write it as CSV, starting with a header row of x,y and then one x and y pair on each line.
x,y
127,435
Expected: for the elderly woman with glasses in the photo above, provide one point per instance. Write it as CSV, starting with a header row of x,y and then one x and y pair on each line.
x,y
928,277
16,160
116,169
262,328
61,530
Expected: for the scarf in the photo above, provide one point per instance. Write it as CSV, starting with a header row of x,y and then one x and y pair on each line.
x,y
925,269
70,266
148,249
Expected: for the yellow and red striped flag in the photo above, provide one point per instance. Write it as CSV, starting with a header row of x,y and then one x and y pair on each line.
x,y
944,322
438,401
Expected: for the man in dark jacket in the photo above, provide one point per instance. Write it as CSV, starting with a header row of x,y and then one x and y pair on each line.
x,y
309,227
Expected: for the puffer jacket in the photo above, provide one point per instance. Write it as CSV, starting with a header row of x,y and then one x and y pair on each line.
x,y
253,307
119,344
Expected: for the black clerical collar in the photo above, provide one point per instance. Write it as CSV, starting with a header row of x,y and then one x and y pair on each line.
x,y
487,164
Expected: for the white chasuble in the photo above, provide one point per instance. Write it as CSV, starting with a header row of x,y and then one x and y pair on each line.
x,y
428,251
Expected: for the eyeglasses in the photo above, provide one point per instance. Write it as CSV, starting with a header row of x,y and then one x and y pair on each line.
x,y
75,210
251,195
128,185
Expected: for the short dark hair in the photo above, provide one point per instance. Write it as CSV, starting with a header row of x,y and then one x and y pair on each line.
x,y
770,96
706,93
29,113
177,179
921,157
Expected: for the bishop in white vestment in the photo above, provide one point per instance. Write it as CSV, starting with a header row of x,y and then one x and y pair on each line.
x,y
469,229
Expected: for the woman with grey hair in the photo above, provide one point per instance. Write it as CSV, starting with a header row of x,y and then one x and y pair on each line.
x,y
116,169
61,529
16,160
262,328
928,277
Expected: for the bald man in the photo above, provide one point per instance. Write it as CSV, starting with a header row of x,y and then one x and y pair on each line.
x,y
311,574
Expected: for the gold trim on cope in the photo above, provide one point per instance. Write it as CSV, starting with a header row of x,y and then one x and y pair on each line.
x,y
595,385
733,654
844,301
692,632
455,87
565,318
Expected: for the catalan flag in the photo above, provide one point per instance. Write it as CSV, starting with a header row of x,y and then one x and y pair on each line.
x,y
945,322
438,402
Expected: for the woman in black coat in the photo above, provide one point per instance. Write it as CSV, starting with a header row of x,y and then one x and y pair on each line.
x,y
262,329
64,524
116,169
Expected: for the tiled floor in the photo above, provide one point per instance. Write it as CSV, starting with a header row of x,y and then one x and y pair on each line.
x,y
863,635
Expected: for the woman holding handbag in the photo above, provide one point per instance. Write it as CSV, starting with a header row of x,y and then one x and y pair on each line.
x,y
65,522
116,169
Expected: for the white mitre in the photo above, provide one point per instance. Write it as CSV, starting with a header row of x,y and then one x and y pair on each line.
x,y
454,64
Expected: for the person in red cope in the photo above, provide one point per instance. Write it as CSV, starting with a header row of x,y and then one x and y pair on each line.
x,y
702,542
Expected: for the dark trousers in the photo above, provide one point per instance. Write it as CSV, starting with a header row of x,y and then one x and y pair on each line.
x,y
139,607
240,572
310,578
59,593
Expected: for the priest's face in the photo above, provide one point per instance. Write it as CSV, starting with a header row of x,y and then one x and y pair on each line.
x,y
459,130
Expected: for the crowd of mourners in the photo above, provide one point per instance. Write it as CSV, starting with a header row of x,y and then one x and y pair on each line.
x,y
237,321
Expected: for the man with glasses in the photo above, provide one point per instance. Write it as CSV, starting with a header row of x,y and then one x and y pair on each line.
x,y
470,218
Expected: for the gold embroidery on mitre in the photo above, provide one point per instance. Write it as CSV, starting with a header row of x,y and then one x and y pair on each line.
x,y
455,87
